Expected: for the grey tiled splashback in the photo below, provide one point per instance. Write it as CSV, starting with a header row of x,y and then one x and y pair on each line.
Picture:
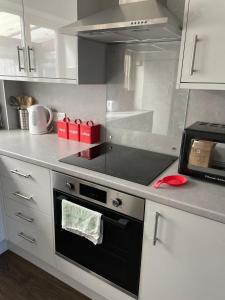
x,y
208,106
86,102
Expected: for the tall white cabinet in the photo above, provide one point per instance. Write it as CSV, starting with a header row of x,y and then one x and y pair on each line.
x,y
187,258
202,62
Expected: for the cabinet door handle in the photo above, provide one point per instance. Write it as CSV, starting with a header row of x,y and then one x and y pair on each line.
x,y
19,58
17,194
27,238
20,174
29,49
155,238
21,216
196,39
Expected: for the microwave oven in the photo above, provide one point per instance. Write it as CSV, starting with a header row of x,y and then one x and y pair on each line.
x,y
202,152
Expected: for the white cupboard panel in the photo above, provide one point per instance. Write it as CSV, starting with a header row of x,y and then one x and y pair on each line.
x,y
202,53
187,261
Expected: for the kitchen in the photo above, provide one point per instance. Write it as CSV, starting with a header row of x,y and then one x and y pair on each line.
x,y
95,96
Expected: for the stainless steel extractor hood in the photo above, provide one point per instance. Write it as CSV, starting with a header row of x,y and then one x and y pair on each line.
x,y
129,21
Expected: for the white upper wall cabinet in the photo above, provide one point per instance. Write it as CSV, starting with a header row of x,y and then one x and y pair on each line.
x,y
31,47
49,54
12,42
202,62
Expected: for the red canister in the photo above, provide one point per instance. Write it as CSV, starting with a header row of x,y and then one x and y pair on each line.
x,y
74,130
90,132
62,127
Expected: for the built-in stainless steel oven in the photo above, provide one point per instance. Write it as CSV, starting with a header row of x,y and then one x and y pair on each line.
x,y
118,258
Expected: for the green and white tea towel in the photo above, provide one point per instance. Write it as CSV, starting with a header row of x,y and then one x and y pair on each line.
x,y
82,221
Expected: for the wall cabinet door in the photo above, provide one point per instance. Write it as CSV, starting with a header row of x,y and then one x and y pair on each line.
x,y
202,54
50,54
12,61
188,259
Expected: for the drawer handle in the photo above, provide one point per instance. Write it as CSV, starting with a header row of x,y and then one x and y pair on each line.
x,y
22,196
21,216
155,238
26,238
20,174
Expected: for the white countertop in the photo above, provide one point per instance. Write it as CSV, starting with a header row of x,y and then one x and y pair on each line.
x,y
197,197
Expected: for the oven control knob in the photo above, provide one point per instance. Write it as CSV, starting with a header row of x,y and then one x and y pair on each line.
x,y
117,202
70,186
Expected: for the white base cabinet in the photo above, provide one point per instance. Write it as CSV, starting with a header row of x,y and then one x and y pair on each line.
x,y
28,207
187,261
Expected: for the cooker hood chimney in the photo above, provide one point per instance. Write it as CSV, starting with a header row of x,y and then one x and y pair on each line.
x,y
129,21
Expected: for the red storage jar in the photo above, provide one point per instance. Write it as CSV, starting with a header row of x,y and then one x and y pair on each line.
x,y
62,127
89,132
74,130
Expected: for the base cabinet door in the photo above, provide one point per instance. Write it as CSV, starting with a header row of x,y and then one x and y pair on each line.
x,y
183,256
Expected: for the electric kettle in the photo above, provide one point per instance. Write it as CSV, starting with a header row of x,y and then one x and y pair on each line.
x,y
40,118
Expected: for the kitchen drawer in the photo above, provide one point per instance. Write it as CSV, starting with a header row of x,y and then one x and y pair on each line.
x,y
37,243
33,218
21,172
35,196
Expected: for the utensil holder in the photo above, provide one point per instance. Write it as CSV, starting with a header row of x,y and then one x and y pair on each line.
x,y
24,119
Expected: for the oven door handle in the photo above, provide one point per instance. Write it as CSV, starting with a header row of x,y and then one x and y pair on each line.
x,y
122,223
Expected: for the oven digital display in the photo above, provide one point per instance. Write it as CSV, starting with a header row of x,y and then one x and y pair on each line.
x,y
93,193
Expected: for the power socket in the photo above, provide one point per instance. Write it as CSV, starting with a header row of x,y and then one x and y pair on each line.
x,y
60,116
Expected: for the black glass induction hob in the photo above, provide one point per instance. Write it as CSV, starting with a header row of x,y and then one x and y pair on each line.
x,y
136,165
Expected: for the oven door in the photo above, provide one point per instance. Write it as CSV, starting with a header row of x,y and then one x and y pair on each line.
x,y
117,259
